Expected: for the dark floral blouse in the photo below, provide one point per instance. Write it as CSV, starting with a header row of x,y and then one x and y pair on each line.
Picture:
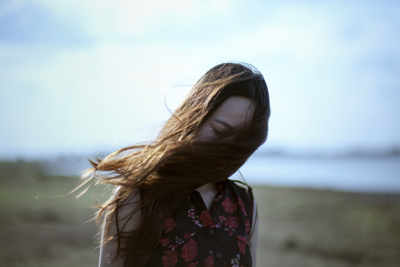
x,y
194,236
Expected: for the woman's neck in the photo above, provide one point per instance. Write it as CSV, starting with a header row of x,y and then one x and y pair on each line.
x,y
209,187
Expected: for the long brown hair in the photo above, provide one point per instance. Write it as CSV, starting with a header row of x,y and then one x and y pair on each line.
x,y
168,169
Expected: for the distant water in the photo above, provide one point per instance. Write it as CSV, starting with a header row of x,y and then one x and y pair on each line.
x,y
345,174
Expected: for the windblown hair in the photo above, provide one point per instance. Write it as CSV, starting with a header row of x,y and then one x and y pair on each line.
x,y
168,169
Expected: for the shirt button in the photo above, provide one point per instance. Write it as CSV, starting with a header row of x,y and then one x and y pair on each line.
x,y
219,255
211,231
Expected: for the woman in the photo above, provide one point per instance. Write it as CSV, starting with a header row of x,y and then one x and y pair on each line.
x,y
173,204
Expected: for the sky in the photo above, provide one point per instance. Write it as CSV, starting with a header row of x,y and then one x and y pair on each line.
x,y
78,77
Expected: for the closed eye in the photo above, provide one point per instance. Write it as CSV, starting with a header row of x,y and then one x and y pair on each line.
x,y
218,132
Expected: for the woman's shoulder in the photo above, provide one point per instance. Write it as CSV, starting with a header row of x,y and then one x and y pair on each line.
x,y
242,193
127,206
241,188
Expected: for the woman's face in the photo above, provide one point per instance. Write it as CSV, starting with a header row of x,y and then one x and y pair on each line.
x,y
235,112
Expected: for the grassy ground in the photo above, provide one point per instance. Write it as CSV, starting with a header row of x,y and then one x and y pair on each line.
x,y
298,227
304,227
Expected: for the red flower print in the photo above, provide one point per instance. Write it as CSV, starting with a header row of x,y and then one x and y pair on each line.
x,y
242,206
173,247
209,262
206,219
187,235
216,200
179,240
194,264
191,213
169,224
229,206
189,250
169,259
241,241
247,222
164,242
232,222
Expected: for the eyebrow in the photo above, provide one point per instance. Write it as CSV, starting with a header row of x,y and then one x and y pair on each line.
x,y
224,123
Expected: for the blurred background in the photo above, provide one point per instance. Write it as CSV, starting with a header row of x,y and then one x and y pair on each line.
x,y
81,79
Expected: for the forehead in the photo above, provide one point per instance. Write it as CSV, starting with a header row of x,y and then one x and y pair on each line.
x,y
235,110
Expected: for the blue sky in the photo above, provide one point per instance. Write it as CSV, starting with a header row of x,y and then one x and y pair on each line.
x,y
84,76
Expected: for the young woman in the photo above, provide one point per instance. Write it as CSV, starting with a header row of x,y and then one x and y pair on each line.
x,y
173,204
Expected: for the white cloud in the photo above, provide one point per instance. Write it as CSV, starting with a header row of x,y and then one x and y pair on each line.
x,y
80,98
10,6
96,94
110,19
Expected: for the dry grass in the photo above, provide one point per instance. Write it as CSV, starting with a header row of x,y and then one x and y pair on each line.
x,y
298,227
304,227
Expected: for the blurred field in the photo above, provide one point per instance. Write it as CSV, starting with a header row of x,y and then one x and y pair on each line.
x,y
298,227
